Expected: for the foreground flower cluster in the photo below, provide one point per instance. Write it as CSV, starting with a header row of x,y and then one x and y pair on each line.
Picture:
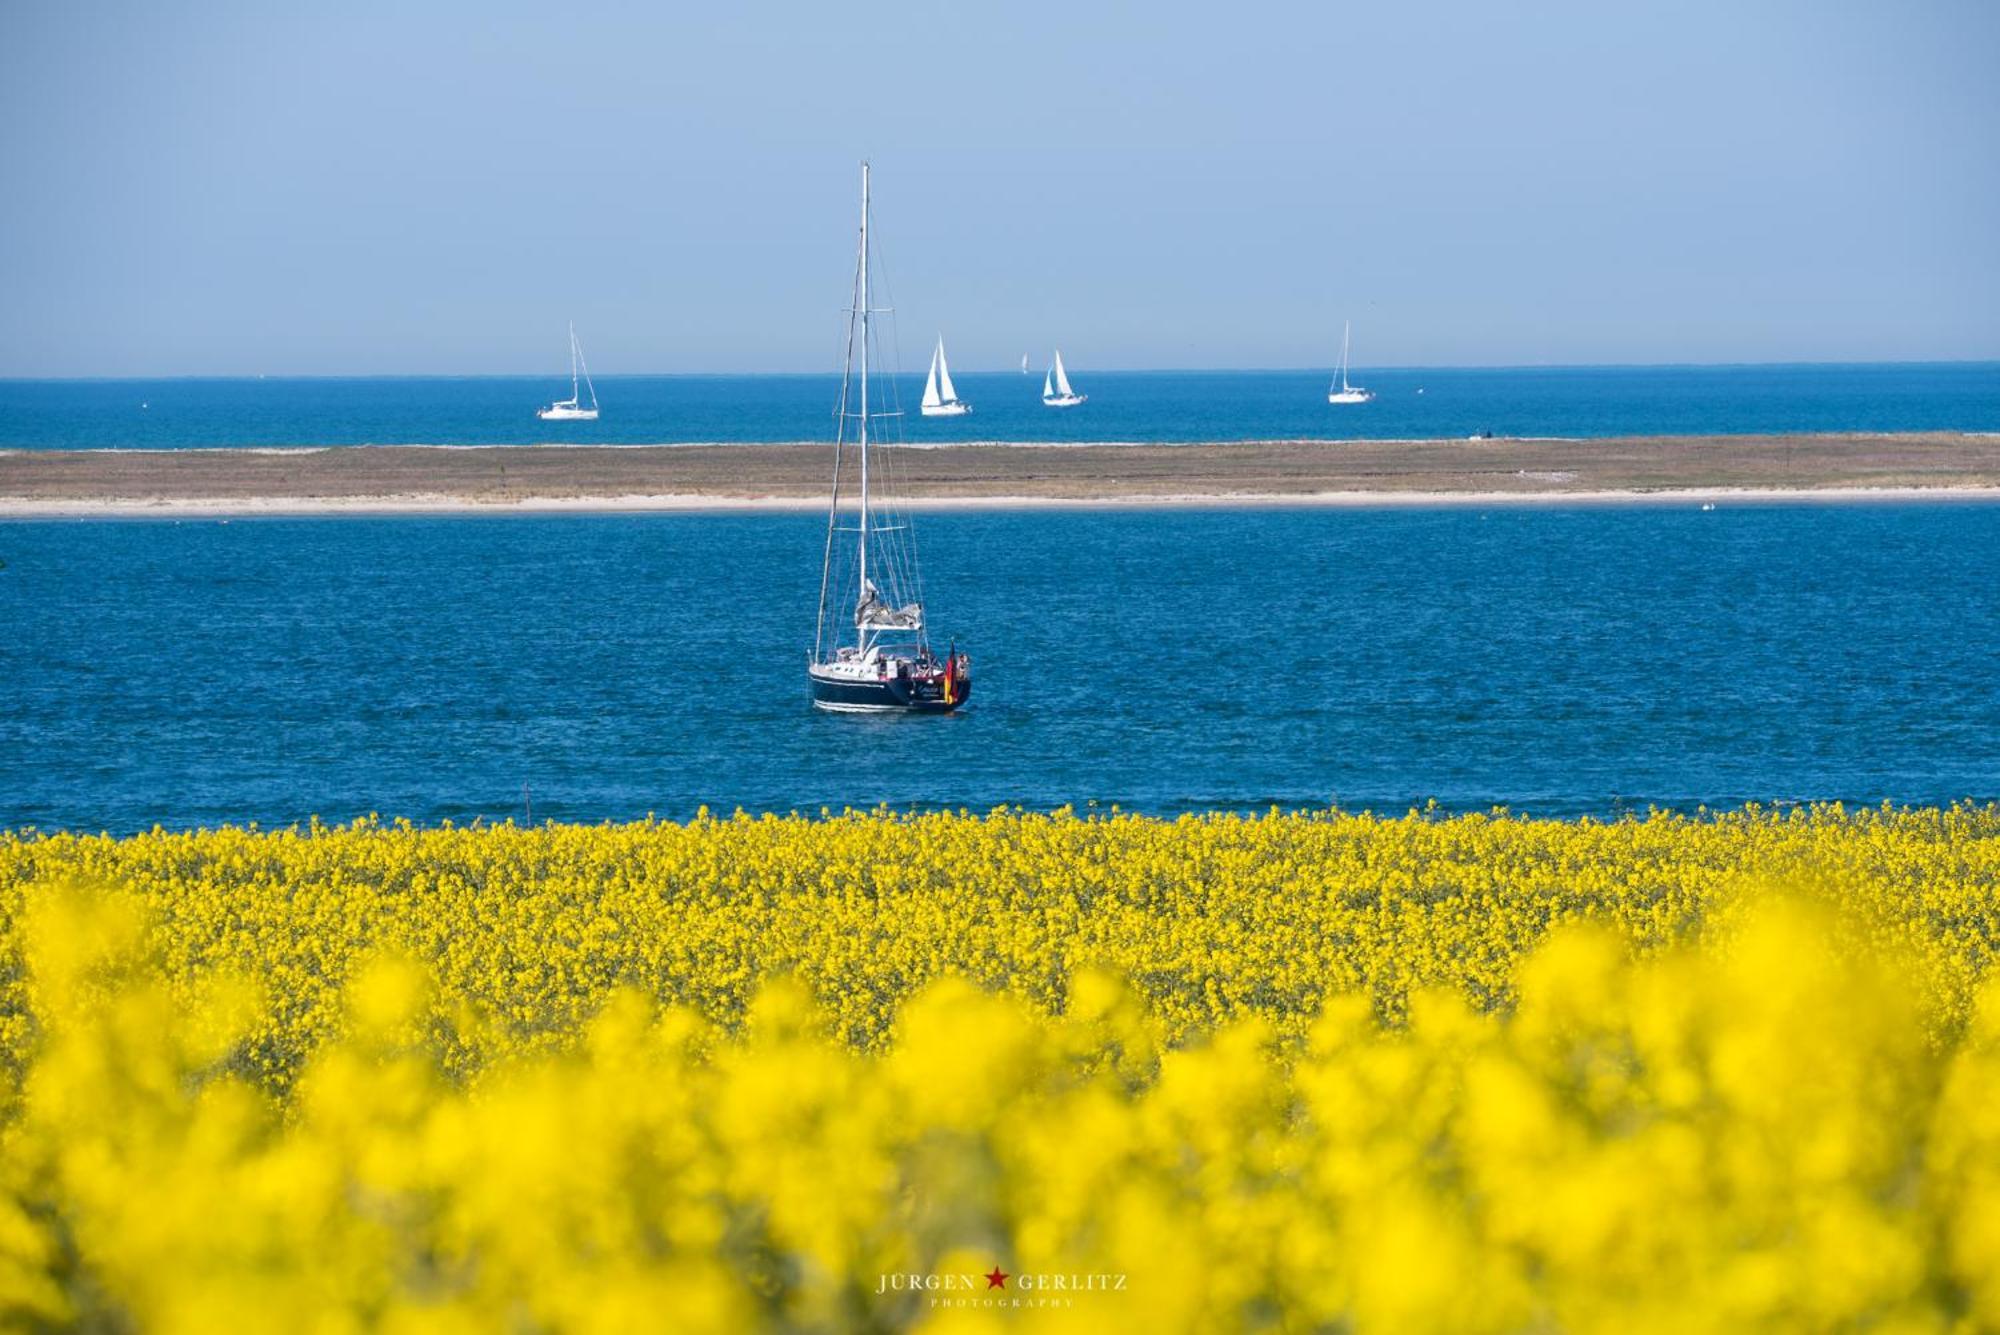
x,y
1210,919
1292,1072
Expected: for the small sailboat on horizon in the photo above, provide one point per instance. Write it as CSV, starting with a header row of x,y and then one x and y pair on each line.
x,y
940,395
1340,391
571,409
1056,391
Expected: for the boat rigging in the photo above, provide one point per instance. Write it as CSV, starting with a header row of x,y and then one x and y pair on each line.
x,y
871,646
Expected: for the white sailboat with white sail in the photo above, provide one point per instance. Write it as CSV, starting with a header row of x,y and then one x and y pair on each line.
x,y
1340,391
940,395
571,409
871,649
1056,391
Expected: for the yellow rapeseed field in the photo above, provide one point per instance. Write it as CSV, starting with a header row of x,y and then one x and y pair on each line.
x,y
1302,1071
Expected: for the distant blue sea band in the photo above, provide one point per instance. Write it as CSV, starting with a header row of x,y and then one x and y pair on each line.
x,y
1150,406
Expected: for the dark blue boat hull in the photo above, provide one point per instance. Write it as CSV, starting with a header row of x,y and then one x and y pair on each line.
x,y
892,696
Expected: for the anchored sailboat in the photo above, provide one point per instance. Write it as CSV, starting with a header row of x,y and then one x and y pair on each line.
x,y
1340,391
571,409
940,396
878,658
1056,392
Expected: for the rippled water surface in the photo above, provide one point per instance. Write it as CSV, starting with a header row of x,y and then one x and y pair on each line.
x,y
1553,660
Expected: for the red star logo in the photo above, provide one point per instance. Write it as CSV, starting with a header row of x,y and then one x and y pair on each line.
x,y
997,1279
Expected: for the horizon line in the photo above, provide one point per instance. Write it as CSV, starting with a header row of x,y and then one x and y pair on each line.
x,y
91,377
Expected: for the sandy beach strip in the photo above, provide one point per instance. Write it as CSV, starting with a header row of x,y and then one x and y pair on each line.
x,y
501,479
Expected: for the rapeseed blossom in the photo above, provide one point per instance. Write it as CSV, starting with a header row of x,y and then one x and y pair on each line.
x,y
1284,1072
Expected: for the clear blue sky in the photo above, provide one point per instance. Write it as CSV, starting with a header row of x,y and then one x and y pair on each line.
x,y
381,188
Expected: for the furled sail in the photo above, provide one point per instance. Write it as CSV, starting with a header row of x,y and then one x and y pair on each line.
x,y
872,613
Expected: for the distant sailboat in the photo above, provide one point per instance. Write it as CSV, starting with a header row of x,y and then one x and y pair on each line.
x,y
1056,392
1024,363
571,409
1341,391
940,397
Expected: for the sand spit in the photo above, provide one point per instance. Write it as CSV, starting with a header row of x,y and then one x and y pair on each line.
x,y
514,479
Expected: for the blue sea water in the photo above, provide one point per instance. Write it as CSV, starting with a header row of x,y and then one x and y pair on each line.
x,y
1558,661
1123,406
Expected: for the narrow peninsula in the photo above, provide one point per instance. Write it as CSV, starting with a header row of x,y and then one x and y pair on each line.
x,y
416,478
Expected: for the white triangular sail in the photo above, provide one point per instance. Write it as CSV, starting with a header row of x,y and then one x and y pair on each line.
x,y
945,386
931,396
940,395
1062,380
1049,384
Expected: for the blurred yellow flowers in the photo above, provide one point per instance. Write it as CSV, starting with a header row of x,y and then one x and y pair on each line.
x,y
1288,1072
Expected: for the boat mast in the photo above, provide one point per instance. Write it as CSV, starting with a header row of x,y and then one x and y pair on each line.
x,y
861,640
572,361
1346,331
582,364
841,418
